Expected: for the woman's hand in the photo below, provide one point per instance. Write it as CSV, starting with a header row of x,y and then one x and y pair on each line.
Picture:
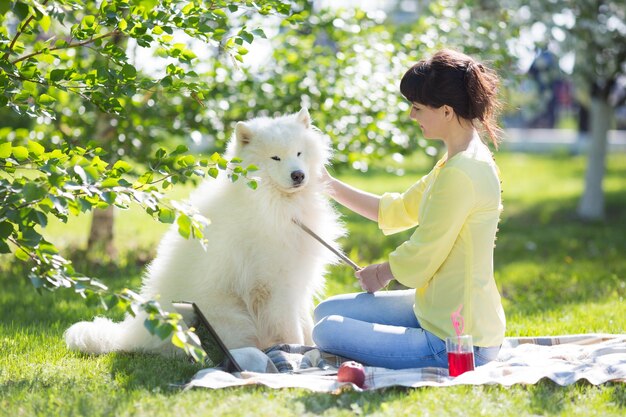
x,y
361,202
325,177
374,277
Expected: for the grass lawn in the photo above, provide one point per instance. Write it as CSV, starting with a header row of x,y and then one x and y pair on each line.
x,y
556,274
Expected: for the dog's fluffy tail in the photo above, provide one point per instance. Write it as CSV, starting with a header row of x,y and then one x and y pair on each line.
x,y
102,336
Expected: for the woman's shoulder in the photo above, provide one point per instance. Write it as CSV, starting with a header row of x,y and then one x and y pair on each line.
x,y
478,165
477,157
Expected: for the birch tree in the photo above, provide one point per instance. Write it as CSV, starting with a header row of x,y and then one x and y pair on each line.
x,y
594,31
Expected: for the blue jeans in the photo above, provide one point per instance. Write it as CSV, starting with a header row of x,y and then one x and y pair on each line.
x,y
381,329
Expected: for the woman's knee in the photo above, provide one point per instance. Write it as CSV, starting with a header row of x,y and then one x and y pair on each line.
x,y
341,304
324,309
326,329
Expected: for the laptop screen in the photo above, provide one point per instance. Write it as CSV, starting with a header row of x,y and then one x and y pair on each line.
x,y
218,355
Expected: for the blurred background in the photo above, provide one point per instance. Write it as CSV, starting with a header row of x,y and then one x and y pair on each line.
x,y
562,65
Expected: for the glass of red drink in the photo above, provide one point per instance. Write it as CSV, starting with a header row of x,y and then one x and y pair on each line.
x,y
460,354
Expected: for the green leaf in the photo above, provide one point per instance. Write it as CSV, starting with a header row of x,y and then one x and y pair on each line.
x,y
122,166
4,247
45,99
215,157
6,229
247,36
252,184
110,183
145,178
57,75
35,148
21,10
164,330
186,160
188,8
5,6
213,172
45,23
5,150
20,153
166,215
48,248
89,20
129,72
180,149
30,238
260,33
81,173
184,225
160,153
39,218
22,255
32,192
110,301
151,325
35,280
166,81
179,339
109,197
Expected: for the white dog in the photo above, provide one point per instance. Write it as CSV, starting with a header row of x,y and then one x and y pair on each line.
x,y
257,281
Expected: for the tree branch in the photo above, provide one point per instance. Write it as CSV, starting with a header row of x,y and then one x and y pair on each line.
x,y
22,247
70,45
19,33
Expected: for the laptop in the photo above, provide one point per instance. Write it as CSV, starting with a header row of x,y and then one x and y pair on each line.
x,y
218,355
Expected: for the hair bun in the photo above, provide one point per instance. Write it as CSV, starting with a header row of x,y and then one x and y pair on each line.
x,y
457,80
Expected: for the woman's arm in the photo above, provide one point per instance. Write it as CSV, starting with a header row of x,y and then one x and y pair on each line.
x,y
361,202
450,203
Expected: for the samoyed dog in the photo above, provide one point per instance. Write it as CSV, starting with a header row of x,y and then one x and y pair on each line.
x,y
257,280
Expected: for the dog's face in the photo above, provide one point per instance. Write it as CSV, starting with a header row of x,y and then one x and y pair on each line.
x,y
287,150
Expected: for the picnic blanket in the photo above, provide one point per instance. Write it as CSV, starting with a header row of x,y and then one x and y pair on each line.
x,y
596,358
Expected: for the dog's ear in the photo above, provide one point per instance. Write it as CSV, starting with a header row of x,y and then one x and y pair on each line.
x,y
304,117
243,133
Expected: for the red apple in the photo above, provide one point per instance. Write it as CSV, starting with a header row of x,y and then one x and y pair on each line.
x,y
351,371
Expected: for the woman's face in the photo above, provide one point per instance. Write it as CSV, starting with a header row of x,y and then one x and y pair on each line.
x,y
431,120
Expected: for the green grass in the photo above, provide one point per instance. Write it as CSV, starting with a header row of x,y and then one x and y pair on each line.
x,y
557,276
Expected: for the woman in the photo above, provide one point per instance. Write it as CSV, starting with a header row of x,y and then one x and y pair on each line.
x,y
448,261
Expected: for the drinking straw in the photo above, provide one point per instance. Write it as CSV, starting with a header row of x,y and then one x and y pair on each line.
x,y
459,325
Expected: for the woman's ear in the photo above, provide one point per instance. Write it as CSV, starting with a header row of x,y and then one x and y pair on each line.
x,y
448,112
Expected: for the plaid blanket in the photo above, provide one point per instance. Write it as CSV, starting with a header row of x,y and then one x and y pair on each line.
x,y
597,358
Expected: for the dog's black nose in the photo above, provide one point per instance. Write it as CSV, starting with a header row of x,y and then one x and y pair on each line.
x,y
297,177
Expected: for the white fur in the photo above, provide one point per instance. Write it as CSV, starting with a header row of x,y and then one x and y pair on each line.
x,y
257,280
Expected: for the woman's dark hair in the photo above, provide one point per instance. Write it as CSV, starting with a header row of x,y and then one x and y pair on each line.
x,y
455,79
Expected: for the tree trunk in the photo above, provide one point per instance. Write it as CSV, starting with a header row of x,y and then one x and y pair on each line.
x,y
105,133
591,206
101,234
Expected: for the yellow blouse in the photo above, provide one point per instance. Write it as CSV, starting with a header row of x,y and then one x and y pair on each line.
x,y
449,257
